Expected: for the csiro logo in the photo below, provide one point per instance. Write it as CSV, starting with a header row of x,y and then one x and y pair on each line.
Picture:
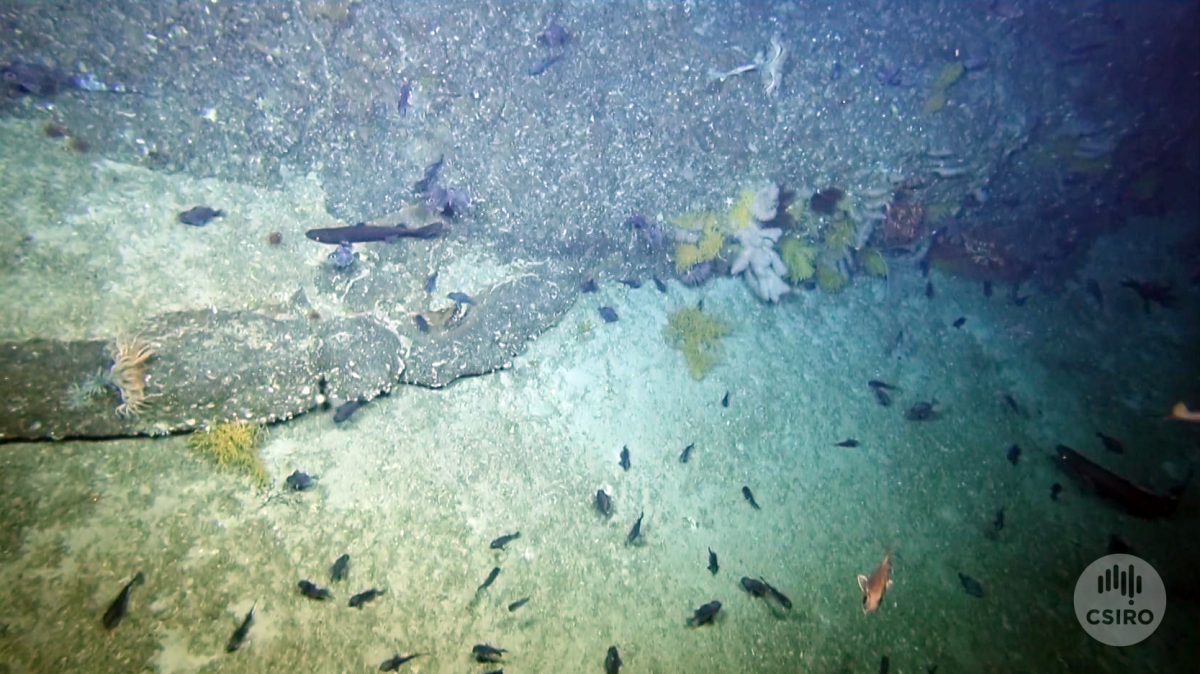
x,y
1120,600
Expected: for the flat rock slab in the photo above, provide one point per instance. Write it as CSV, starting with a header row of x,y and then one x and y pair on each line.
x,y
214,367
487,336
208,367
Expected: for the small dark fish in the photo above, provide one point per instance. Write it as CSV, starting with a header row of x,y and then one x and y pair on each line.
x,y
624,462
1093,288
346,410
882,397
650,231
632,282
971,586
1110,443
430,177
835,73
662,287
239,635
504,540
1013,454
848,442
422,323
392,664
1118,546
1055,490
779,597
924,267
199,216
705,614
725,400
608,314
603,503
987,288
310,590
1018,300
461,298
713,567
922,411
358,600
542,65
589,286
754,586
342,257
998,522
486,653
431,282
749,496
878,385
116,610
960,321
1012,403
403,100
929,289
612,661
340,569
636,530
884,665
364,233
554,35
495,572
301,481
687,453
518,604
760,588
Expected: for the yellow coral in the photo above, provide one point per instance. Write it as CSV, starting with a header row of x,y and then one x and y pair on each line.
x,y
935,102
872,262
839,235
694,220
950,74
688,255
829,279
803,218
799,258
698,336
233,445
739,213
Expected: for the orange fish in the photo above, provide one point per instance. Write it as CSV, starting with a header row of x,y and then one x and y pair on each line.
x,y
1180,412
876,584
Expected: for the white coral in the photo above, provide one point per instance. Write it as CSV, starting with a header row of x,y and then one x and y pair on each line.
x,y
766,203
758,262
772,69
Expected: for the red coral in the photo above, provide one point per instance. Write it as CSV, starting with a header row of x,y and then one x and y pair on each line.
x,y
904,224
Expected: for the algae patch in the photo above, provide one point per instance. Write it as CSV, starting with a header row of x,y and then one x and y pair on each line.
x,y
233,446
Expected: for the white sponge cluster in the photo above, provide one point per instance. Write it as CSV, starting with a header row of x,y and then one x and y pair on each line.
x,y
758,262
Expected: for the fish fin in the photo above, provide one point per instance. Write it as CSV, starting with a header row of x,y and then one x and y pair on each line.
x,y
889,585
862,582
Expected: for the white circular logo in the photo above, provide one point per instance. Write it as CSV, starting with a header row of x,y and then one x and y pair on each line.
x,y
1120,600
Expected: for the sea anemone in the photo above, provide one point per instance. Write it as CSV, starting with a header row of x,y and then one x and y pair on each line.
x,y
128,373
80,394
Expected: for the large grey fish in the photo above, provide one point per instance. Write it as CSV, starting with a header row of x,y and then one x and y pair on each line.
x,y
364,233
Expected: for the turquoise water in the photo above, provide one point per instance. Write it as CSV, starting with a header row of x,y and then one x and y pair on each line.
x,y
417,484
